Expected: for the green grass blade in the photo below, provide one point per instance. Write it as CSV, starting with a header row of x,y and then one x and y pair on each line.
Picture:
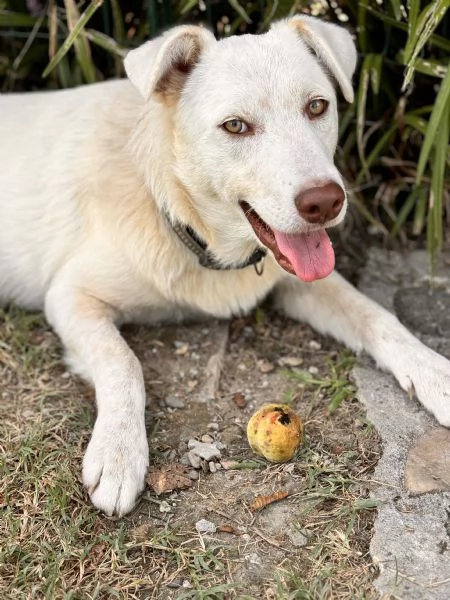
x,y
106,42
81,44
406,209
188,6
437,117
427,22
9,18
78,27
437,183
435,40
240,10
420,212
118,23
364,79
413,13
396,9
375,73
434,68
375,153
362,33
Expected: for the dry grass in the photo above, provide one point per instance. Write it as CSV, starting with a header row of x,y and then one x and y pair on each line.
x,y
55,545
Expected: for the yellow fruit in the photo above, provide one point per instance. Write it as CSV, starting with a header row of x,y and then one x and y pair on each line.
x,y
275,432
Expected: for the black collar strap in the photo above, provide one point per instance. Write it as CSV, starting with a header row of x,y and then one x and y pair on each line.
x,y
196,245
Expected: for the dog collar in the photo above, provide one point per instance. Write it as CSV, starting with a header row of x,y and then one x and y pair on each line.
x,y
199,247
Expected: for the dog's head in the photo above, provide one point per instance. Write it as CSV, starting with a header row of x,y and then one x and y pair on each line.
x,y
255,130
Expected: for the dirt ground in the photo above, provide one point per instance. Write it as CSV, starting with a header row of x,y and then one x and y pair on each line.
x,y
312,544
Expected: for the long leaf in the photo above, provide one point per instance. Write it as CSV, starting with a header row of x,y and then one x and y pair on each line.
x,y
240,10
437,183
435,40
428,66
107,43
427,23
81,44
84,18
420,212
15,19
405,210
364,79
436,121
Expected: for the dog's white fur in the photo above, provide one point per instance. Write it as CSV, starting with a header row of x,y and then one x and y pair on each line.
x,y
89,178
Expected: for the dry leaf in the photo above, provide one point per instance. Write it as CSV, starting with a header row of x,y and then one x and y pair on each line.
x,y
229,529
261,502
168,478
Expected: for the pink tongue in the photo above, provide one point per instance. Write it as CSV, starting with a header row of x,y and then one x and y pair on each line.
x,y
310,254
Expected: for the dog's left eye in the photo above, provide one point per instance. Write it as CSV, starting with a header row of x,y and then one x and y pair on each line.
x,y
235,126
316,107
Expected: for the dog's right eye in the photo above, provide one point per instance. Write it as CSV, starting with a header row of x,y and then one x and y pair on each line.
x,y
235,126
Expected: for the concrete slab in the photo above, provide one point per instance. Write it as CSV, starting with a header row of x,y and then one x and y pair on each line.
x,y
411,541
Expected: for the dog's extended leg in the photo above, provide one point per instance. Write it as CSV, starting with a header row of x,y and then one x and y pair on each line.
x,y
333,306
116,459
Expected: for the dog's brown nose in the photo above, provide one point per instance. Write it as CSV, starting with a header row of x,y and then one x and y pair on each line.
x,y
320,204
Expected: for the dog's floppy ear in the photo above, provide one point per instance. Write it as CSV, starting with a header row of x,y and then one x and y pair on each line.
x,y
333,46
162,64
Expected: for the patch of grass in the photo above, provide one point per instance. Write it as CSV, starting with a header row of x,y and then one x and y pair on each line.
x,y
336,386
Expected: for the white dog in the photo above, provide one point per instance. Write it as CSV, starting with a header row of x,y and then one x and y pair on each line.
x,y
157,198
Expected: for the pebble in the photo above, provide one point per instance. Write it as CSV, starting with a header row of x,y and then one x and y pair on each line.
x,y
207,439
174,402
212,466
194,460
291,361
313,370
314,345
193,475
205,451
213,426
204,526
164,507
265,366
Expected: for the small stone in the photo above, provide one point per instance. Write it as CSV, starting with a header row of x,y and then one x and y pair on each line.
x,y
218,466
174,402
213,426
212,466
205,451
290,361
427,463
194,460
265,366
313,370
204,526
314,345
242,367
184,460
175,583
187,584
182,350
164,507
207,439
298,539
193,475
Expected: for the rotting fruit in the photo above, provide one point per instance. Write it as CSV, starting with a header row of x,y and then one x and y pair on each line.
x,y
275,431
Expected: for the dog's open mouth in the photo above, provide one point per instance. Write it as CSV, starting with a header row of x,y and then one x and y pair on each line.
x,y
309,256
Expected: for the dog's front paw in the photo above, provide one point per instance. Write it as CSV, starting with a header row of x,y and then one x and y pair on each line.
x,y
115,465
429,379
